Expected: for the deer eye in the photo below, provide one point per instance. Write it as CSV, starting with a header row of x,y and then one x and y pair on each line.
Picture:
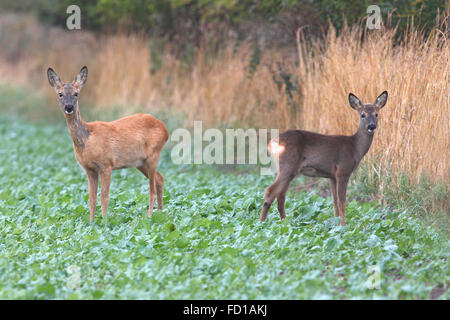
x,y
60,95
376,115
363,115
76,94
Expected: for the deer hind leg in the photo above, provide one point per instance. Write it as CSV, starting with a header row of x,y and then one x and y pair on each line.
x,y
277,190
268,199
105,176
93,186
152,191
280,203
342,183
159,189
335,197
149,169
159,185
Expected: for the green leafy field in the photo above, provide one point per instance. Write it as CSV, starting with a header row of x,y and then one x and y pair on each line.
x,y
207,243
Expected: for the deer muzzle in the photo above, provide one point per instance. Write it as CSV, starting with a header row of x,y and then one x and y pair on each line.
x,y
68,108
371,127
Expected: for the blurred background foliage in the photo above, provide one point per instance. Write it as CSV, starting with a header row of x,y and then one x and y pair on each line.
x,y
193,19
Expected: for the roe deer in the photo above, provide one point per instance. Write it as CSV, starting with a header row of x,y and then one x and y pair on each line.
x,y
100,147
328,156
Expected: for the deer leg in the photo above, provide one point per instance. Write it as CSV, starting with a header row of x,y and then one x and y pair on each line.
x,y
342,183
143,170
159,186
335,197
152,191
93,185
105,175
268,199
280,203
159,189
278,190
151,165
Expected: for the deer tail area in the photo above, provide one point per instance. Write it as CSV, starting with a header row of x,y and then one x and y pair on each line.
x,y
275,149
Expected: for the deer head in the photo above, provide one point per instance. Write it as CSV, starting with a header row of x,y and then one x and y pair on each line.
x,y
68,92
368,112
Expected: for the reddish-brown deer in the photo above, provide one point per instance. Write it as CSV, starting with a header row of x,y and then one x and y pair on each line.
x,y
100,147
328,156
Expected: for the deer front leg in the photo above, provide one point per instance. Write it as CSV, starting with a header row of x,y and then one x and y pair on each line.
x,y
93,185
342,183
335,197
105,175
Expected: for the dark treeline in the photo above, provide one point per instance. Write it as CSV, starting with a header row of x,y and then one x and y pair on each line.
x,y
193,20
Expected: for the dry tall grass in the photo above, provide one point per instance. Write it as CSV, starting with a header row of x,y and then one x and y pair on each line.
x,y
413,135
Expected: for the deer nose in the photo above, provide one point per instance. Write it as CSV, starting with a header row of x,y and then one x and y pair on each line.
x,y
371,127
68,108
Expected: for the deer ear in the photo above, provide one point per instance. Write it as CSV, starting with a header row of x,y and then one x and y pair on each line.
x,y
381,100
81,77
53,79
355,103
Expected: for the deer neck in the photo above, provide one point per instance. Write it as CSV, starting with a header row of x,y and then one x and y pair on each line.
x,y
77,129
362,142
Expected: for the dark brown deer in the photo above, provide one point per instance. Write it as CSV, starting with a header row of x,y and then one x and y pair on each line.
x,y
100,147
328,156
